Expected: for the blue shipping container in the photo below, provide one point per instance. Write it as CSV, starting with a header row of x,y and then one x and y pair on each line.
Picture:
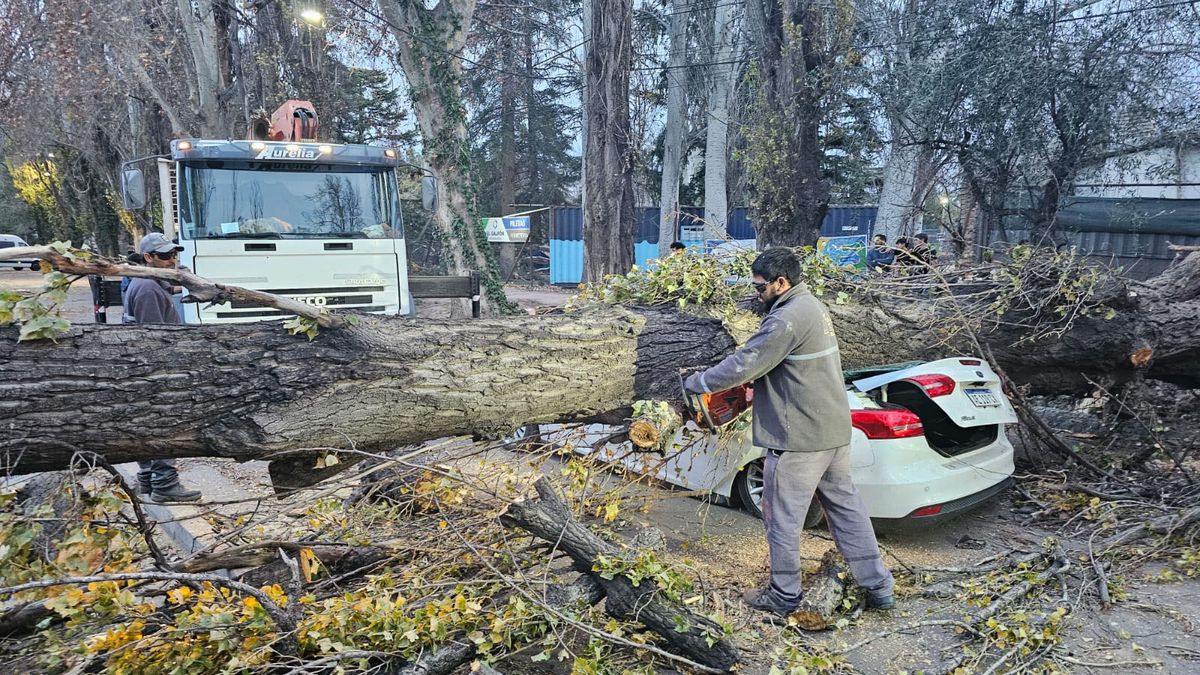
x,y
566,233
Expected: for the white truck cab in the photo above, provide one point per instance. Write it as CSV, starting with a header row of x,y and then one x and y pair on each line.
x,y
317,222
283,213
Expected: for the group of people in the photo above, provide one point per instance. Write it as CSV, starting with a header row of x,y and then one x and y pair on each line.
x,y
914,255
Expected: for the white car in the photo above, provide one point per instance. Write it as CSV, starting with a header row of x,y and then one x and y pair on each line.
x,y
928,441
13,241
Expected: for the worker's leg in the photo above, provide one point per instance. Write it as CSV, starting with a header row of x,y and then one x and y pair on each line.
x,y
790,480
164,475
145,477
851,526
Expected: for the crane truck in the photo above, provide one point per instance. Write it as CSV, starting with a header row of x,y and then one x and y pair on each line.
x,y
281,212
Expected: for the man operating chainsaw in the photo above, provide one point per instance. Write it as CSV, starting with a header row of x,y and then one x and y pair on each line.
x,y
802,419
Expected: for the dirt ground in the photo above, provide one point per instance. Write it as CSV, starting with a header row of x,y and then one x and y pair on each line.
x,y
1154,623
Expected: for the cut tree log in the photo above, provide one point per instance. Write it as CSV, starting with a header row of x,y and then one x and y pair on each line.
x,y
823,593
688,634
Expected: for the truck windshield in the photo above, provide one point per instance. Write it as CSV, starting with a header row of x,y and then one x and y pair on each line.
x,y
260,200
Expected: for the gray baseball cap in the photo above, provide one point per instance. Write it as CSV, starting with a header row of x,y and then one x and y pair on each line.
x,y
157,242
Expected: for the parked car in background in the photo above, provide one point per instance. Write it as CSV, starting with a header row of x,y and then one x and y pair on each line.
x,y
13,241
927,442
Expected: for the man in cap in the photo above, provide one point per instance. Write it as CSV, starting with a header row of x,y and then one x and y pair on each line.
x,y
149,301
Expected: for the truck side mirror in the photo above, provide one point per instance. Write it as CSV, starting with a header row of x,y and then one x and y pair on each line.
x,y
133,189
429,193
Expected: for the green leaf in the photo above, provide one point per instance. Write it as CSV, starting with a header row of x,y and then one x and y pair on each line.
x,y
43,327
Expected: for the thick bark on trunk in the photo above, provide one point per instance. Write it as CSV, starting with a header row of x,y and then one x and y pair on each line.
x,y
687,633
898,207
791,192
608,177
249,391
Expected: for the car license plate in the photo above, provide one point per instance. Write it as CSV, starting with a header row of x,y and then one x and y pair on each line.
x,y
983,398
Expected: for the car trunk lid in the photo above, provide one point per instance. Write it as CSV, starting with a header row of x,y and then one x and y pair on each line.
x,y
959,401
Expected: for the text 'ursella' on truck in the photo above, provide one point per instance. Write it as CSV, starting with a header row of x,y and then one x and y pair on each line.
x,y
284,213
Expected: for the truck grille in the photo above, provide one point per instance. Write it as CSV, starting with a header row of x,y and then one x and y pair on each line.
x,y
276,312
345,297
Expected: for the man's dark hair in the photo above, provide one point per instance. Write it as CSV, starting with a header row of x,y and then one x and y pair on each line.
x,y
777,262
881,236
923,237
677,246
902,241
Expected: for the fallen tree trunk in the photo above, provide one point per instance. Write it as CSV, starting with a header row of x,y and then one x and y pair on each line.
x,y
688,634
1153,329
252,391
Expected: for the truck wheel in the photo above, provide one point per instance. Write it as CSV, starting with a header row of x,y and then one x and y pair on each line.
x,y
749,488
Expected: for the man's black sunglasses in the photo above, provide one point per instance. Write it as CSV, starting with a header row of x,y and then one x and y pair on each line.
x,y
760,286
165,256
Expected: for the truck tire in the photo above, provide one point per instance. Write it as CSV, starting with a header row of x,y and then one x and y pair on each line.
x,y
748,487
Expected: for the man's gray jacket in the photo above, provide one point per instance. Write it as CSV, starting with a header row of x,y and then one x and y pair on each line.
x,y
148,301
799,395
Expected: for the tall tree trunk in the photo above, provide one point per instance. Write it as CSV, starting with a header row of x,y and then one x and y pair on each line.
x,y
800,45
204,39
428,41
668,203
898,207
531,191
509,96
716,147
608,187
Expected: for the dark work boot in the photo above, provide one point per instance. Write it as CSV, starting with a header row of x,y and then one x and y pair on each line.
x,y
766,600
143,487
175,493
882,603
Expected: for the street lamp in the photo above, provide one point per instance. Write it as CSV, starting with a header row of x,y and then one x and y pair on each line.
x,y
312,16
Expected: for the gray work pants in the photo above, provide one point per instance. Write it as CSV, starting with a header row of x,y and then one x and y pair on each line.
x,y
791,479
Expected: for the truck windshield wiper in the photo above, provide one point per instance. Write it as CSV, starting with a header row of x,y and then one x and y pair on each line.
x,y
244,235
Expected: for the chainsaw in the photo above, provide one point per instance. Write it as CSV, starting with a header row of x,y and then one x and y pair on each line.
x,y
715,410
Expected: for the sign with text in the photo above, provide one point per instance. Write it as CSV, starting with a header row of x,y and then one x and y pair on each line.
x,y
509,230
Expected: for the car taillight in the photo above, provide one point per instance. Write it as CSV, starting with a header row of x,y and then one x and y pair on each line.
x,y
887,423
970,362
926,512
934,385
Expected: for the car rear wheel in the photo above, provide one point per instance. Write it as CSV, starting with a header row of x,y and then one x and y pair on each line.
x,y
749,488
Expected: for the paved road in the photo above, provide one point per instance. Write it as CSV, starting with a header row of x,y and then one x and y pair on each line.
x,y
79,298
